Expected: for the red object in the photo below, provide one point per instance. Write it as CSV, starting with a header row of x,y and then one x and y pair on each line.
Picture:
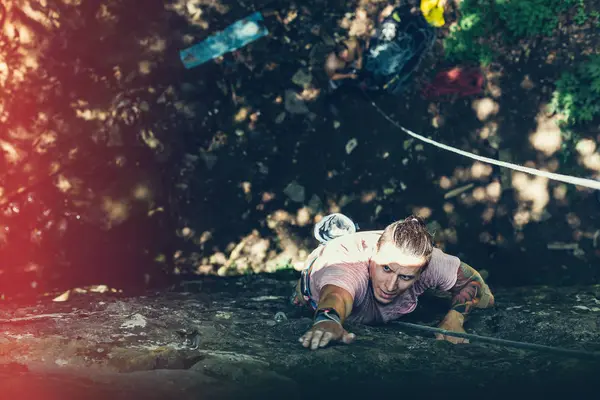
x,y
458,80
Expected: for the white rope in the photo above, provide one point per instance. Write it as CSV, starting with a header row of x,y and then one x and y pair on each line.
x,y
590,183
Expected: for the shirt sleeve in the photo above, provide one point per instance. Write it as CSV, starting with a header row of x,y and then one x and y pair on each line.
x,y
352,277
442,271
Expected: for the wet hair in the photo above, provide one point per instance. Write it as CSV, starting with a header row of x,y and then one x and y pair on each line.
x,y
410,235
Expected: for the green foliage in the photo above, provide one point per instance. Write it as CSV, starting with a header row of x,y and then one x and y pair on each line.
x,y
481,21
595,15
465,41
577,94
526,18
568,154
581,16
284,266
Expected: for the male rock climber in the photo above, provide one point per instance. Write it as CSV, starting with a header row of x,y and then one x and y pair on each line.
x,y
344,63
374,277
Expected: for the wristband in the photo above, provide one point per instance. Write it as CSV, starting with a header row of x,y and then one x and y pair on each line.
x,y
327,314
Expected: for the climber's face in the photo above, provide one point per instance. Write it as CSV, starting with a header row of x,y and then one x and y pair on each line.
x,y
393,272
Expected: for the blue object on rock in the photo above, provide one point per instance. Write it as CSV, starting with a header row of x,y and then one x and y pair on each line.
x,y
235,36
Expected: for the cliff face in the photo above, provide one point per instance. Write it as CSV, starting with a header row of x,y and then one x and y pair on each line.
x,y
237,338
119,166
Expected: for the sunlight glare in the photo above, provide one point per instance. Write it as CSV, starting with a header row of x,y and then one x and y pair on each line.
x,y
547,137
485,108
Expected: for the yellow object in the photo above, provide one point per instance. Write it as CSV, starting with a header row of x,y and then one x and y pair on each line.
x,y
433,12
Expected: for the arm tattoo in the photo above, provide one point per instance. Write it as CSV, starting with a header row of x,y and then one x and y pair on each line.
x,y
469,290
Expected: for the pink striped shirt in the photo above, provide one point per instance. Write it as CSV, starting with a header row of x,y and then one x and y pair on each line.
x,y
344,262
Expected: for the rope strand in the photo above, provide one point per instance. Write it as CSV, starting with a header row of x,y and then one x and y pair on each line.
x,y
589,183
590,355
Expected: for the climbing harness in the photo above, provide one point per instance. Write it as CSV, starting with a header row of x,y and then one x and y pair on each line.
x,y
590,355
305,285
589,183
459,81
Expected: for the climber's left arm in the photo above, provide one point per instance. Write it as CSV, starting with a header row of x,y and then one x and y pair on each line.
x,y
470,290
